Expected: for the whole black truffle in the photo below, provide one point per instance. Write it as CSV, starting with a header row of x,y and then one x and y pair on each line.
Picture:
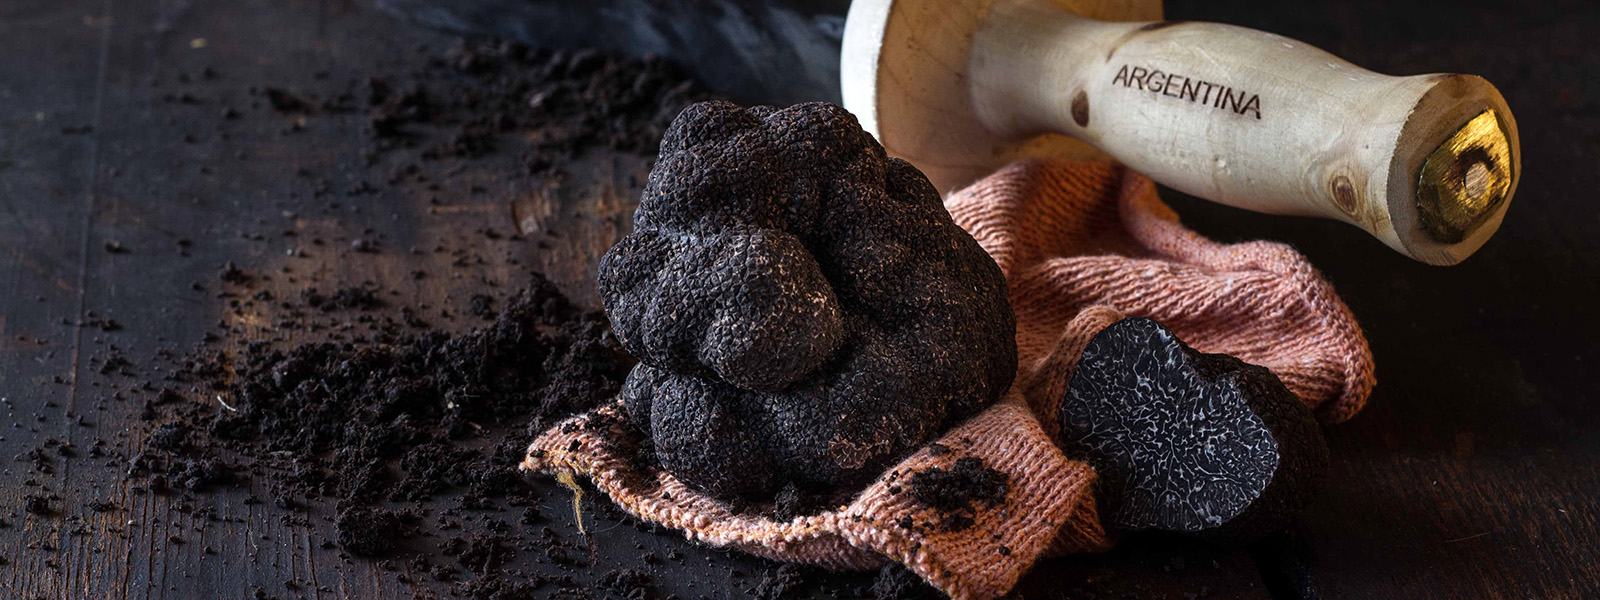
x,y
1189,442
803,308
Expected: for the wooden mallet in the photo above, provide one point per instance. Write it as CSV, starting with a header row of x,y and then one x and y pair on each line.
x,y
1426,163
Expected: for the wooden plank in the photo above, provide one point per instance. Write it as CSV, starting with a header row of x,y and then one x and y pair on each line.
x,y
170,169
1152,567
51,94
1473,474
170,175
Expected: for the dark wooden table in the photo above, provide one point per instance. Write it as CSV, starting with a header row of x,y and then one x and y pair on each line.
x,y
1472,474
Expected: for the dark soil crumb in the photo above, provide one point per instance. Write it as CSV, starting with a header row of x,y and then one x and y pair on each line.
x,y
482,305
896,582
482,553
101,506
631,584
37,505
781,583
345,298
956,492
367,531
285,101
231,273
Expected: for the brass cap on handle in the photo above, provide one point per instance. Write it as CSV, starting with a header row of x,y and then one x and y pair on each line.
x,y
1465,179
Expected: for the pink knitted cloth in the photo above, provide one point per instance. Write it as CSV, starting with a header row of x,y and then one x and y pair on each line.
x,y
1082,245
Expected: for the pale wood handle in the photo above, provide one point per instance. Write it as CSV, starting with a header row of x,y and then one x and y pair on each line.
x,y
1258,121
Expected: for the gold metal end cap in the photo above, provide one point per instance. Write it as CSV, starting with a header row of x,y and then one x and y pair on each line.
x,y
1465,180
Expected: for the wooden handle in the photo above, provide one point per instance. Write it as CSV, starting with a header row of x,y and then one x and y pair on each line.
x,y
1426,163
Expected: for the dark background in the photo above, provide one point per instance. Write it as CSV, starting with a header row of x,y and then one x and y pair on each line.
x,y
1473,472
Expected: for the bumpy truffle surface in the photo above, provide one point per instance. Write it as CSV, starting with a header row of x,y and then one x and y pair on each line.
x,y
1189,442
803,308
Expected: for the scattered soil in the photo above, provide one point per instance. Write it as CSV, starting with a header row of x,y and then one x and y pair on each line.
x,y
896,582
780,583
558,104
392,426
632,584
366,531
892,582
383,427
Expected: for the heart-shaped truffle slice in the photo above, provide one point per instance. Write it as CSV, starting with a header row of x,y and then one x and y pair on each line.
x,y
1188,442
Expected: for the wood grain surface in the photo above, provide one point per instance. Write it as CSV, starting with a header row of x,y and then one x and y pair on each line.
x,y
1472,474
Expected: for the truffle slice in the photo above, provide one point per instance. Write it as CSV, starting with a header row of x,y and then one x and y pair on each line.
x,y
1188,442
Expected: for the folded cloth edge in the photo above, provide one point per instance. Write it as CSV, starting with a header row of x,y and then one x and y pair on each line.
x,y
1048,508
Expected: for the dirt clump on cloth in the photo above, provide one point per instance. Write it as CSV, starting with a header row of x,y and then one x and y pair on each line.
x,y
803,308
955,493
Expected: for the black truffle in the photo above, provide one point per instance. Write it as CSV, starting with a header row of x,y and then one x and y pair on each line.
x,y
1189,442
803,308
